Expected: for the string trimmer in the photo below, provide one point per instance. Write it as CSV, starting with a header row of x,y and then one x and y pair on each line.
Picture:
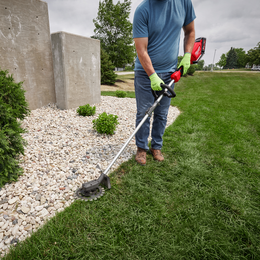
x,y
92,190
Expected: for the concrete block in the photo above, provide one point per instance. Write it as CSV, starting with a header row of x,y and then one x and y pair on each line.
x,y
76,62
25,49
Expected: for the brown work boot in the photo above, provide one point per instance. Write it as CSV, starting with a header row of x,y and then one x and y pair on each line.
x,y
141,156
157,155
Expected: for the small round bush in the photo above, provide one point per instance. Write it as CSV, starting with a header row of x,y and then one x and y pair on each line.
x,y
191,70
86,110
105,124
120,93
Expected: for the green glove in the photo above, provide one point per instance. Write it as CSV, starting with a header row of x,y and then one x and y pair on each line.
x,y
185,62
156,82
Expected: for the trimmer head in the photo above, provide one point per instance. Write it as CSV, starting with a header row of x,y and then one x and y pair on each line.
x,y
90,195
92,190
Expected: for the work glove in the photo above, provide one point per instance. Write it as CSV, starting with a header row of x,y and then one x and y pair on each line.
x,y
185,62
156,82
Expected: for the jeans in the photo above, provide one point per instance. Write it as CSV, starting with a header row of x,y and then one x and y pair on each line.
x,y
144,100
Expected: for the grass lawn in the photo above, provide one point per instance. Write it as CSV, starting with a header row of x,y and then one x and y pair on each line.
x,y
129,94
202,202
125,77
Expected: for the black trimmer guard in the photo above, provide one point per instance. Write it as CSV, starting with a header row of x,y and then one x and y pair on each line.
x,y
92,190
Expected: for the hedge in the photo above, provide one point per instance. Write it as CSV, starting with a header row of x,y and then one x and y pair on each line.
x,y
13,109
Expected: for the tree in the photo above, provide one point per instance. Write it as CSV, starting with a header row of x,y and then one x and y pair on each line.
x,y
241,57
108,76
253,55
114,31
231,59
223,61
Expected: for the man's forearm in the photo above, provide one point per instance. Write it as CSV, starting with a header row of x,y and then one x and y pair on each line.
x,y
189,41
146,62
189,37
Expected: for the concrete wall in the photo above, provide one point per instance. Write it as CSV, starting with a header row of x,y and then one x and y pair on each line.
x,y
25,48
76,62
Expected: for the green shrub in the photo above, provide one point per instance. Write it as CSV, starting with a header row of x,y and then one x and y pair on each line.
x,y
105,124
13,109
86,110
191,70
120,93
108,76
129,68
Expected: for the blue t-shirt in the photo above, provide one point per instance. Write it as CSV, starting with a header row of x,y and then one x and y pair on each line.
x,y
161,21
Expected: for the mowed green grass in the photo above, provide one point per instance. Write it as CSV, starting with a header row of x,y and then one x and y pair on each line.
x,y
202,202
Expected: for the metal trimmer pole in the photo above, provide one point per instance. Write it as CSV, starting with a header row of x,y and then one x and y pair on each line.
x,y
148,114
127,142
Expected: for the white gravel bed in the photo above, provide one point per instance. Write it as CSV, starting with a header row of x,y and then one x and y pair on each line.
x,y
63,152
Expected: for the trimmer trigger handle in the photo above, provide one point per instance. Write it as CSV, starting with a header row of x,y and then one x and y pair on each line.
x,y
177,74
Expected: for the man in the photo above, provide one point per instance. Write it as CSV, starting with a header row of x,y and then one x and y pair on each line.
x,y
156,31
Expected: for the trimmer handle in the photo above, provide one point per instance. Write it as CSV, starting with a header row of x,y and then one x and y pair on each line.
x,y
165,91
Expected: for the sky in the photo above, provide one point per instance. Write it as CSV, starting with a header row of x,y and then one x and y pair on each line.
x,y
224,23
